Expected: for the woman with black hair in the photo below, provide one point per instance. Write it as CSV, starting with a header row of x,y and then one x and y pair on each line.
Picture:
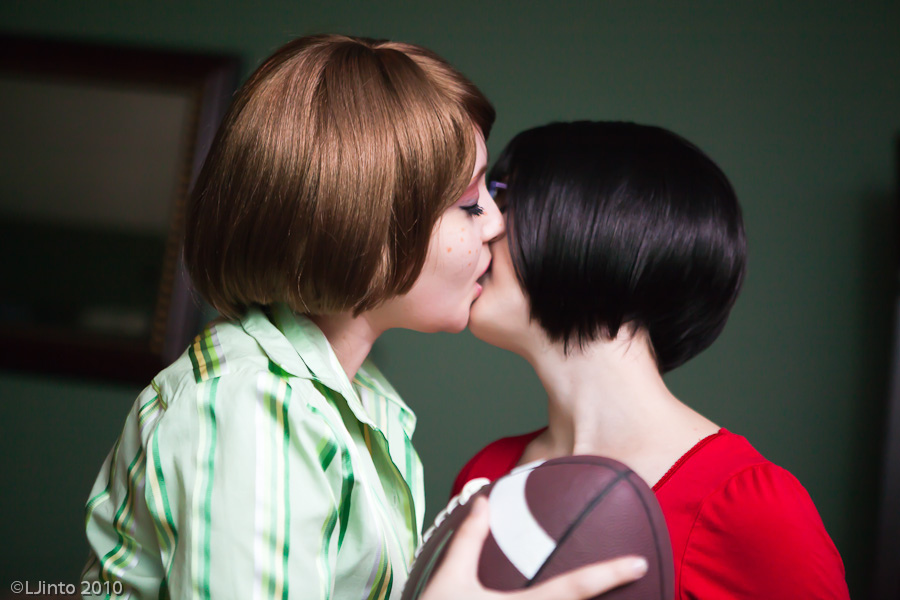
x,y
624,254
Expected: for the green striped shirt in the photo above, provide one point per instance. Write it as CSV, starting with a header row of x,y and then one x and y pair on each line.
x,y
252,468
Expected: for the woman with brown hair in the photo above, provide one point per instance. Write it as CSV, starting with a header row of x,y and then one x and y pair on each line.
x,y
344,195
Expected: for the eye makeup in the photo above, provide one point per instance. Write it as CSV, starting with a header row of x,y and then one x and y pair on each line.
x,y
476,210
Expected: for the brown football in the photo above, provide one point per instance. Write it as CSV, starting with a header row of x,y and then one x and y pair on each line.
x,y
548,518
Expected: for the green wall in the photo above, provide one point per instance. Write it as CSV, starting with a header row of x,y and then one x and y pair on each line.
x,y
797,101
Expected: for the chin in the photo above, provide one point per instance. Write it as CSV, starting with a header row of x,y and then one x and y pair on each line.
x,y
454,324
478,320
492,336
454,327
492,331
483,328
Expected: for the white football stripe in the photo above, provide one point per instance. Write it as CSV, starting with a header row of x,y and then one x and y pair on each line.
x,y
520,537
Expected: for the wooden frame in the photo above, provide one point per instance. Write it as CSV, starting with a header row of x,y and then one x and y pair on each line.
x,y
118,106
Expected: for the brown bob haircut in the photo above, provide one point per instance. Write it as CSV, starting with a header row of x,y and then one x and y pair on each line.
x,y
328,174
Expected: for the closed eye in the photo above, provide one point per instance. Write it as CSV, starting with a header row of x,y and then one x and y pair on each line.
x,y
475,210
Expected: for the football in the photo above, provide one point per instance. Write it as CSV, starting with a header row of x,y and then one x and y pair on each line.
x,y
549,517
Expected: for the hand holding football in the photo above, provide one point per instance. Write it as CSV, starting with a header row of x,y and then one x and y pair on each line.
x,y
551,517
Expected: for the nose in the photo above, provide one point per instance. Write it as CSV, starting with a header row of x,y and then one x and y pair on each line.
x,y
493,223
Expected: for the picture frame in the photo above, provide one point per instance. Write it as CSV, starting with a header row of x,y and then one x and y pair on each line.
x,y
103,145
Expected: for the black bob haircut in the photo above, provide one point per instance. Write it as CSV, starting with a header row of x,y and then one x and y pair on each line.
x,y
617,223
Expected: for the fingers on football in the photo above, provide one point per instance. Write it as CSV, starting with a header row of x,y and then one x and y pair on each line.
x,y
460,568
587,582
465,549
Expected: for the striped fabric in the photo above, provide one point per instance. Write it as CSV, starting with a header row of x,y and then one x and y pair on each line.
x,y
252,468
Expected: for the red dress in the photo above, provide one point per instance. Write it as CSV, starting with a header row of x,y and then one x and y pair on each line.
x,y
741,526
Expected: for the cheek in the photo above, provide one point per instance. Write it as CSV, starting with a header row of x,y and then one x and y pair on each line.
x,y
460,251
504,289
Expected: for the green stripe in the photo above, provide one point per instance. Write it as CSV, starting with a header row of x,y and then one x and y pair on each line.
x,y
201,512
277,370
330,396
124,542
408,455
286,449
219,364
104,495
411,512
149,409
276,394
370,382
270,402
324,563
347,473
159,395
192,353
346,484
385,512
147,404
404,483
92,504
209,475
346,492
408,511
212,349
263,474
383,569
210,352
204,350
166,543
327,449
383,413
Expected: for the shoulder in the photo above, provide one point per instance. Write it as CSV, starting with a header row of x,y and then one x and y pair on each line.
x,y
762,502
225,401
734,483
225,357
759,530
226,380
494,460
221,349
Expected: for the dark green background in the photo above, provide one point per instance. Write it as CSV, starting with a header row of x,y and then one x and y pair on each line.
x,y
797,101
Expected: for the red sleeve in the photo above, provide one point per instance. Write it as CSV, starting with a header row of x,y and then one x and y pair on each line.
x,y
494,460
760,536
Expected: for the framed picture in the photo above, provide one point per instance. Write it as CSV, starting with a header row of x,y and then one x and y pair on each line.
x,y
100,148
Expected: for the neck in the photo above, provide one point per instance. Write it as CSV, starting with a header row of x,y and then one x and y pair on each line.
x,y
609,399
350,337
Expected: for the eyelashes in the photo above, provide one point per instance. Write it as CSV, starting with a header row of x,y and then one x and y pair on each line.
x,y
475,210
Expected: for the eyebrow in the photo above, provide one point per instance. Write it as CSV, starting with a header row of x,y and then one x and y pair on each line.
x,y
477,176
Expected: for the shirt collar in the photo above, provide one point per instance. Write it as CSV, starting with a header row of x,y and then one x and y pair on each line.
x,y
294,343
370,377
